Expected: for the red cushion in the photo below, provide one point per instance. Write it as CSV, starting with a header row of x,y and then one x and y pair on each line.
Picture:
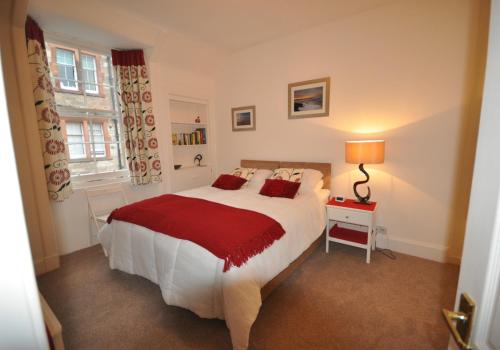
x,y
229,182
280,188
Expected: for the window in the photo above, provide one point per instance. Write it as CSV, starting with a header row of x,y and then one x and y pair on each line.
x,y
66,65
89,72
75,141
98,135
87,104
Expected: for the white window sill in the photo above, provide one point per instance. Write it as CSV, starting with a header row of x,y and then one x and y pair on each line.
x,y
96,180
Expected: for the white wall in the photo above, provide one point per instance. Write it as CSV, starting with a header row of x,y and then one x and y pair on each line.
x,y
401,72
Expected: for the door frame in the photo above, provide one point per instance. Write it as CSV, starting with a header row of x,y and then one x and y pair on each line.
x,y
480,268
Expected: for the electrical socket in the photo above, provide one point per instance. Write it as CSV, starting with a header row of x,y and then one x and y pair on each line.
x,y
381,230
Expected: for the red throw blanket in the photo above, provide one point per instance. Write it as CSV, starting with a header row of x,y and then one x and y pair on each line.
x,y
229,233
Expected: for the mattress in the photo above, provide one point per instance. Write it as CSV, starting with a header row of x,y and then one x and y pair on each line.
x,y
191,277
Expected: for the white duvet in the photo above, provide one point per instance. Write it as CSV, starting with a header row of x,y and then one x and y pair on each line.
x,y
191,277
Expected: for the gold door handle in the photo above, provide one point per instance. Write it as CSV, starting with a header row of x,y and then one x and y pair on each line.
x,y
451,316
460,322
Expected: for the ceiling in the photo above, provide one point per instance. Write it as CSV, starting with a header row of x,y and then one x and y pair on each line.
x,y
232,25
190,34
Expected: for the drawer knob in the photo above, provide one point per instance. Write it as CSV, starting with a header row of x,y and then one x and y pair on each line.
x,y
347,216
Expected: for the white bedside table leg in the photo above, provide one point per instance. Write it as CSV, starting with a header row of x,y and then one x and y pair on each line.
x,y
369,245
327,234
374,238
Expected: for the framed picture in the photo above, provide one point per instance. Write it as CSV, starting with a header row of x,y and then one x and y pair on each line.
x,y
243,118
308,99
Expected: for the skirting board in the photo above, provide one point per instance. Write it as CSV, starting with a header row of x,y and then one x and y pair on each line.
x,y
424,250
46,264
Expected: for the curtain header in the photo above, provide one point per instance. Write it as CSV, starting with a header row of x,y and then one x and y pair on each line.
x,y
128,58
33,31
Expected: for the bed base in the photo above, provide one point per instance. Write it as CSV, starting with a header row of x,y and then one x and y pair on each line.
x,y
270,286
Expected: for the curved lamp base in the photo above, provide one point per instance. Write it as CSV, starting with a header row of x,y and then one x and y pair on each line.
x,y
361,199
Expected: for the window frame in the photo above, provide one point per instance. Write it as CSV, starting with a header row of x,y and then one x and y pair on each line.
x,y
66,136
94,143
87,123
75,70
83,180
78,51
96,75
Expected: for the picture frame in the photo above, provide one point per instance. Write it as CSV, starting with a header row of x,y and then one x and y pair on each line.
x,y
309,99
243,118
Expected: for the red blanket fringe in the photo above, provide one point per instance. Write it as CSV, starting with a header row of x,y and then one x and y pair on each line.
x,y
251,248
232,234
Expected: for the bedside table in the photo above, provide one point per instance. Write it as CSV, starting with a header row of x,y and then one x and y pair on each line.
x,y
353,213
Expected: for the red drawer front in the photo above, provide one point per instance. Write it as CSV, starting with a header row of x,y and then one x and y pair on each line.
x,y
349,235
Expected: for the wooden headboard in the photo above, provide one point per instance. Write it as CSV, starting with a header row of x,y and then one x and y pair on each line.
x,y
325,168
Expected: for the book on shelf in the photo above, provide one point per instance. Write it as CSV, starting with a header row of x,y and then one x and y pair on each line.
x,y
197,137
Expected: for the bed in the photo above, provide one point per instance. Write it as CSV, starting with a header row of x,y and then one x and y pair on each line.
x,y
191,277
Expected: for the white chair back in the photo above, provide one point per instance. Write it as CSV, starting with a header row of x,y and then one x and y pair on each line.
x,y
103,200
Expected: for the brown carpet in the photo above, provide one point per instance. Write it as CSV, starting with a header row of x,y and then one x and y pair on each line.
x,y
332,301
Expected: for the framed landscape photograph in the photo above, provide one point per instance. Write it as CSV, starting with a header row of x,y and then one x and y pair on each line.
x,y
243,118
308,99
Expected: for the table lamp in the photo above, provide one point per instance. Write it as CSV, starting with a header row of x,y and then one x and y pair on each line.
x,y
364,152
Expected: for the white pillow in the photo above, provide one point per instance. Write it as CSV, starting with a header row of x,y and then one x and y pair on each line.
x,y
246,173
319,186
259,178
288,174
310,181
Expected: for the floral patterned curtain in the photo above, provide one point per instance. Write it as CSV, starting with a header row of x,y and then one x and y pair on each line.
x,y
134,88
51,137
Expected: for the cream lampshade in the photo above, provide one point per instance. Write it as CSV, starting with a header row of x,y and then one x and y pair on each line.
x,y
364,152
